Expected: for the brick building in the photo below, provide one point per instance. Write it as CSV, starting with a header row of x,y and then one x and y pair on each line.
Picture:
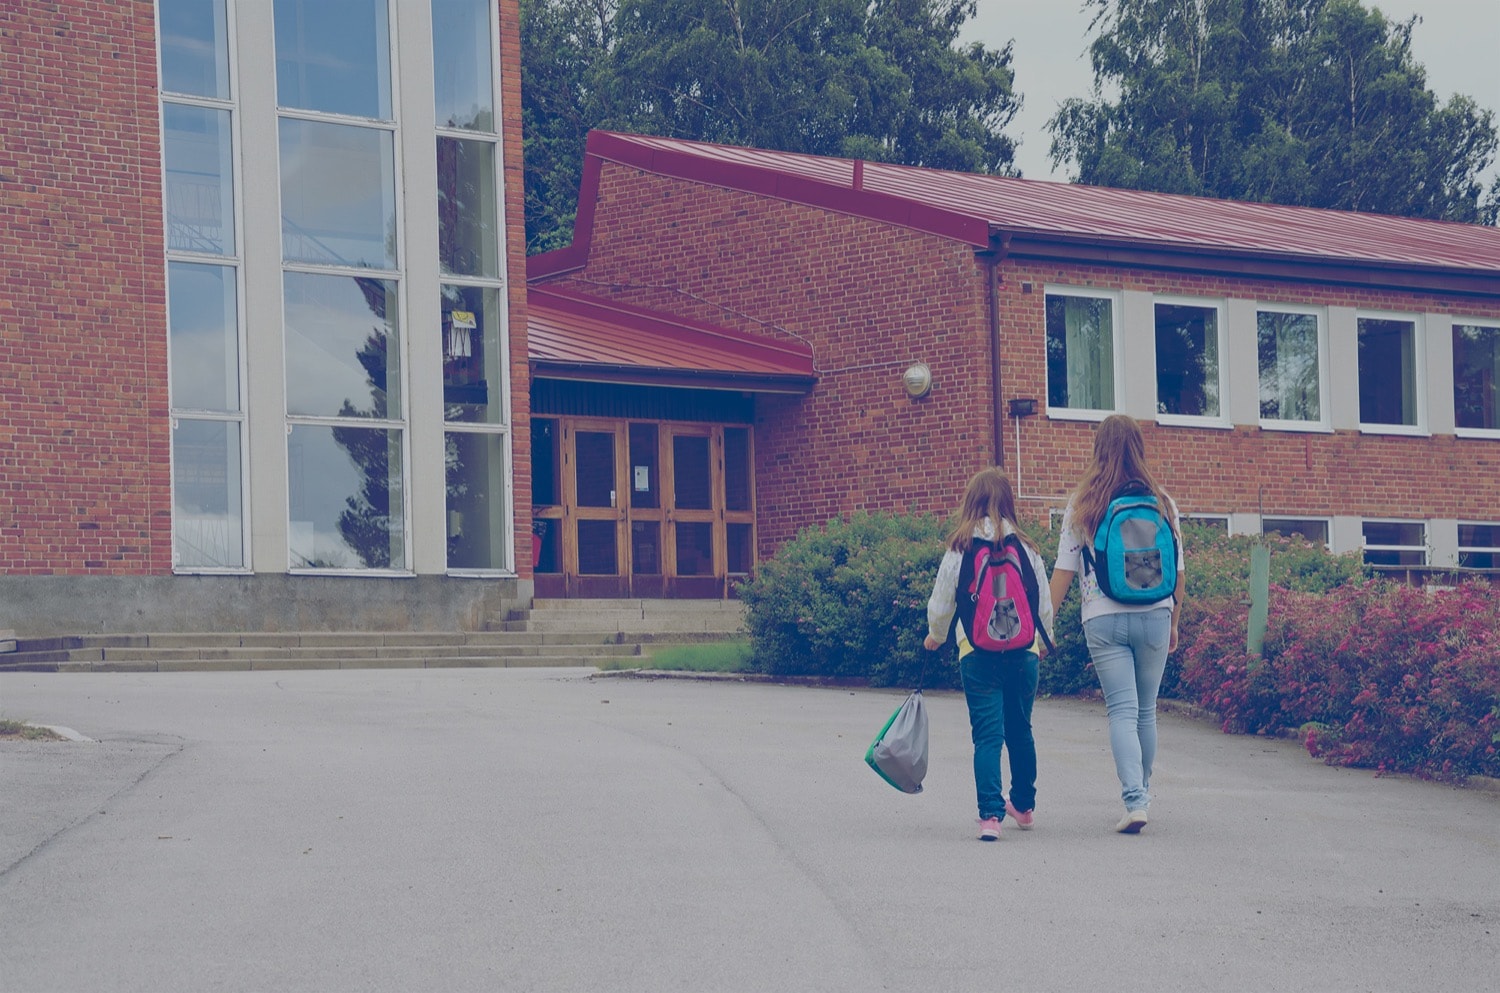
x,y
1298,370
262,339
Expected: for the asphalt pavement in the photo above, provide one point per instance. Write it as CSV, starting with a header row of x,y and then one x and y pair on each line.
x,y
549,830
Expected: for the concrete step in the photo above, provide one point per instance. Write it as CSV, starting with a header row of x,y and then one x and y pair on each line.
x,y
722,618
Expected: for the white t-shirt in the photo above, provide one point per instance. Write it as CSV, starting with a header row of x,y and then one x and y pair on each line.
x,y
1095,603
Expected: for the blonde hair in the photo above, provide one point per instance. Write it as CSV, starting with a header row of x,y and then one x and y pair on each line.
x,y
988,494
1119,458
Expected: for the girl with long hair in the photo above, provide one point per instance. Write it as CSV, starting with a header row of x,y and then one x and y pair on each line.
x,y
999,687
1128,643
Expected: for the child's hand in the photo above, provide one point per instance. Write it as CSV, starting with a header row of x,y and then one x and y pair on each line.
x,y
931,644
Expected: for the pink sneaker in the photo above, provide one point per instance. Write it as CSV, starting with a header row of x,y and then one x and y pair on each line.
x,y
989,829
1023,817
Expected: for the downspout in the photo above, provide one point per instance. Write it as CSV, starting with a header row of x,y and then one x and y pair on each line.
x,y
992,257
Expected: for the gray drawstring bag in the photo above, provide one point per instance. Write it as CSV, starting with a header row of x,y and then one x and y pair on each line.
x,y
899,751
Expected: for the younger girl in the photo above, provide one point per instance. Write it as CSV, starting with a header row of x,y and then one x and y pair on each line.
x,y
1000,687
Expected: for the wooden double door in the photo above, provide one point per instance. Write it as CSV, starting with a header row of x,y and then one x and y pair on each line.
x,y
641,508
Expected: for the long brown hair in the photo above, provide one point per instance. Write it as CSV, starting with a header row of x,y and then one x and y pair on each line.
x,y
988,494
1119,458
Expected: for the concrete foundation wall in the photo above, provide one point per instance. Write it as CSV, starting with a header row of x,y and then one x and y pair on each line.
x,y
42,606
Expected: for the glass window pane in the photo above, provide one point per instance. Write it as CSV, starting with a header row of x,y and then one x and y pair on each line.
x,y
338,194
194,47
737,469
462,66
1187,360
198,154
477,517
1387,371
343,347
695,548
645,548
1479,536
207,514
1476,376
741,547
598,553
1080,353
203,327
473,378
546,463
1315,531
1288,346
345,498
645,474
546,549
691,475
468,241
594,474
1412,533
334,56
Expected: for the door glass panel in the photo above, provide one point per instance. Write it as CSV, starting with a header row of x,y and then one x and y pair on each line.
x,y
741,547
476,500
595,471
344,495
547,535
472,376
334,56
199,159
691,477
597,555
338,194
736,469
546,488
342,348
645,548
207,519
695,548
461,64
203,325
645,476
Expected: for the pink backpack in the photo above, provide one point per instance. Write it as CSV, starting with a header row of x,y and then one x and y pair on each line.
x,y
1001,612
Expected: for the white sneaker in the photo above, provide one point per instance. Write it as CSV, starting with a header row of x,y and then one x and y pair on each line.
x,y
1132,822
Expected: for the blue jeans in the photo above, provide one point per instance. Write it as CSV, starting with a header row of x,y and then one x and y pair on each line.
x,y
1000,688
1129,652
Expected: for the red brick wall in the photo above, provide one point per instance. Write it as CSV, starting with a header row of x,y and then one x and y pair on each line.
x,y
872,298
84,434
515,266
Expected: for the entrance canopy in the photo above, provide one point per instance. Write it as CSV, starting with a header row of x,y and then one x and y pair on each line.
x,y
571,335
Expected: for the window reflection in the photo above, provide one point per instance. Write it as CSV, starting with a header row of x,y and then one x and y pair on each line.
x,y
475,470
468,243
343,350
472,377
1288,348
194,48
204,340
334,56
207,518
462,64
344,493
338,194
1187,360
199,179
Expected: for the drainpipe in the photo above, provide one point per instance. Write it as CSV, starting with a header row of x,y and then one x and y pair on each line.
x,y
992,258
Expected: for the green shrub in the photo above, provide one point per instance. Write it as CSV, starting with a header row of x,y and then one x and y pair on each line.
x,y
849,599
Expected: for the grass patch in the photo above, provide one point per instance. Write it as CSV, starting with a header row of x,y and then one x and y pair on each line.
x,y
707,656
21,731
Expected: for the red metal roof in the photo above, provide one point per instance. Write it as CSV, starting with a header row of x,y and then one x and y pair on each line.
x,y
571,335
974,208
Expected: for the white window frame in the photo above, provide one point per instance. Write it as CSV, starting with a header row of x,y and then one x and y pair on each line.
x,y
1419,373
1327,523
1221,419
1324,423
1454,324
1366,547
1116,312
234,261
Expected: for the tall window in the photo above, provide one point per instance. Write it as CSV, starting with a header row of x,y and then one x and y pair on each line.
x,y
209,526
346,415
1476,376
469,329
1080,352
1388,371
1187,360
1289,344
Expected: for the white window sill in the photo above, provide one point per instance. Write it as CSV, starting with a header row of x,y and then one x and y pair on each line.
x,y
1489,434
1403,430
1189,421
1070,414
1304,427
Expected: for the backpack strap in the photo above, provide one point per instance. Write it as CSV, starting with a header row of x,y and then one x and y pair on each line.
x,y
1033,588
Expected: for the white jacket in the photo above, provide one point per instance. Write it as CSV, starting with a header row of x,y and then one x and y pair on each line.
x,y
943,602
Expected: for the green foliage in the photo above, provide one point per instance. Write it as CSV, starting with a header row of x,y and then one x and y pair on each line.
x,y
885,80
706,656
1310,102
849,599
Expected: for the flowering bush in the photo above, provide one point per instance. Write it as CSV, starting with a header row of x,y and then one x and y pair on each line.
x,y
1376,674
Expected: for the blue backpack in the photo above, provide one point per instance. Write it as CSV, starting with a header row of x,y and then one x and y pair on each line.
x,y
1134,553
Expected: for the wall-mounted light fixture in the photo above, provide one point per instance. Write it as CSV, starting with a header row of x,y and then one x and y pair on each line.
x,y
917,380
1023,407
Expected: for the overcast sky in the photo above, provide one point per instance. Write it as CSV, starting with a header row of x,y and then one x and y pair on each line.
x,y
1458,42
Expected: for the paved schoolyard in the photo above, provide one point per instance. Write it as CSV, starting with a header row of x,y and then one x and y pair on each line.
x,y
489,829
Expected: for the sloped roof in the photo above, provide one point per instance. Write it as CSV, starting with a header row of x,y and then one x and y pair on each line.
x,y
1067,221
571,335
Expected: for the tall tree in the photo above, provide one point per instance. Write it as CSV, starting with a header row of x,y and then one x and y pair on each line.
x,y
1311,102
875,79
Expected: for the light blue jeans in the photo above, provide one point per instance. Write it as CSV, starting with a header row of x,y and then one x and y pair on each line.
x,y
1129,652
